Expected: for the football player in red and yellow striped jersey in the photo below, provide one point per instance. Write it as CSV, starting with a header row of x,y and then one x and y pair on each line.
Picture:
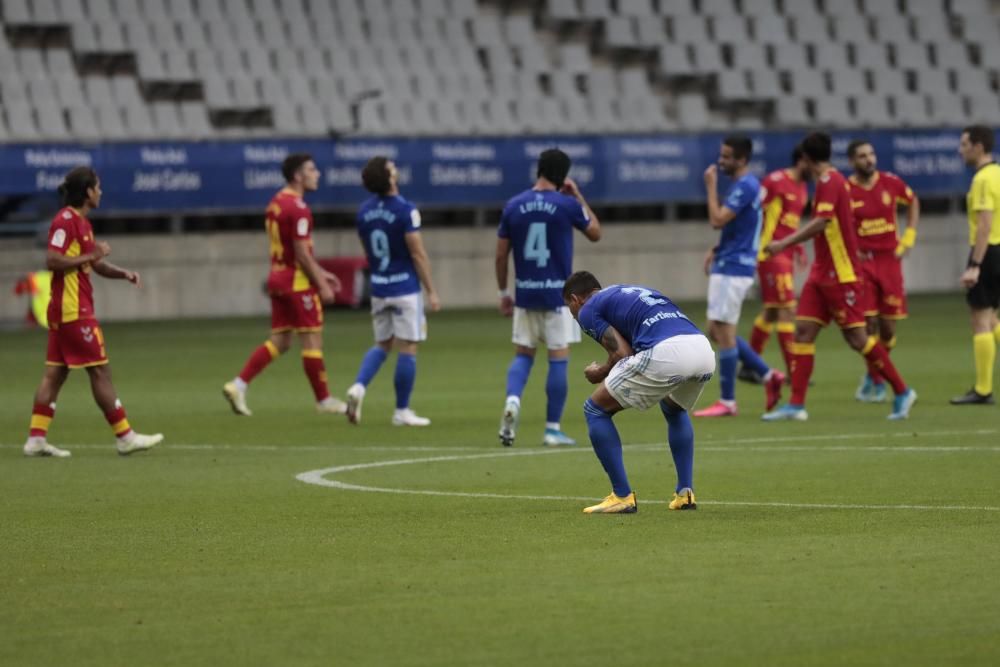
x,y
783,199
874,197
298,287
834,289
75,337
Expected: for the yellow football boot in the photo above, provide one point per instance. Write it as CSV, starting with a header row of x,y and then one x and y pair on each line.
x,y
683,500
614,505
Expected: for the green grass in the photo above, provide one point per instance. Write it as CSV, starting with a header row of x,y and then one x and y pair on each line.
x,y
209,551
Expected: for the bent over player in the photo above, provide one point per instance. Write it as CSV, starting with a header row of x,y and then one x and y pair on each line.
x,y
874,197
298,287
75,337
656,355
537,227
389,227
834,289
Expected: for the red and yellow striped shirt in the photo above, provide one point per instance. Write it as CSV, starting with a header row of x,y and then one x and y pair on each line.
x,y
837,247
70,234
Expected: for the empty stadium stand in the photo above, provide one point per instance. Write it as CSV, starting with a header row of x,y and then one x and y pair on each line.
x,y
98,70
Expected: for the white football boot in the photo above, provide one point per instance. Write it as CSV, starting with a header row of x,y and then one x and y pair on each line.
x,y
37,446
407,417
331,405
509,420
237,398
137,442
355,397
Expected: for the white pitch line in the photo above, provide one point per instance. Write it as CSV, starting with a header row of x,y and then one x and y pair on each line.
x,y
319,478
709,444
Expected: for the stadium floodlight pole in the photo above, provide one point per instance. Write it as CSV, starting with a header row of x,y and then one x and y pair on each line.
x,y
355,106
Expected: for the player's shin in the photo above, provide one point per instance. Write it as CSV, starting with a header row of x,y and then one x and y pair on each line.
x,y
984,349
749,357
370,365
786,337
258,361
404,379
803,359
878,361
556,389
680,437
41,418
607,445
760,334
728,359
118,420
517,374
315,369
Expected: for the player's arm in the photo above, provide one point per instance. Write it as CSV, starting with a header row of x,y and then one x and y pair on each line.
x,y
326,283
909,237
617,348
805,232
984,223
422,264
55,260
593,229
718,215
500,265
114,272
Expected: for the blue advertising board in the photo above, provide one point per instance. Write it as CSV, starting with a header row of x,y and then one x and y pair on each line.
x,y
242,175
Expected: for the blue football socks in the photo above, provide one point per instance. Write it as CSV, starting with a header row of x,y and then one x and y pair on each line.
x,y
556,389
517,374
680,435
728,359
406,375
608,446
370,364
751,359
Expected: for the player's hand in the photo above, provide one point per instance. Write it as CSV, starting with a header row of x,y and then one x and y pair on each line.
x,y
434,301
326,294
801,258
970,277
594,373
711,175
134,278
570,188
332,280
101,250
709,258
773,248
902,251
506,306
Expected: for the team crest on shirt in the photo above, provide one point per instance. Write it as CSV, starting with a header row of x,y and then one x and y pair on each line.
x,y
307,301
88,334
849,297
886,199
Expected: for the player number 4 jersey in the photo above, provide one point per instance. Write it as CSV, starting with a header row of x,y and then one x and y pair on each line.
x,y
288,219
874,206
71,235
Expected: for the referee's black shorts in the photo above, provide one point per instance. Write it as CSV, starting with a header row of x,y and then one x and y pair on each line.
x,y
986,293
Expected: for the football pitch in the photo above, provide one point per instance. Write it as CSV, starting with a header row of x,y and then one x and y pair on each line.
x,y
292,538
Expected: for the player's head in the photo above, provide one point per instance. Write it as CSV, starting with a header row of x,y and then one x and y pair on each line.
x,y
735,153
861,155
578,288
976,142
300,171
380,176
80,188
799,164
553,166
817,148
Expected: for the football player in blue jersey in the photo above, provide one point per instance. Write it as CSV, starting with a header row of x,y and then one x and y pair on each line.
x,y
389,227
731,266
537,228
656,355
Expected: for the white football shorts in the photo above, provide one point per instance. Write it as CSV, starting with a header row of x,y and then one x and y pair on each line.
x,y
726,295
677,368
399,317
555,328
